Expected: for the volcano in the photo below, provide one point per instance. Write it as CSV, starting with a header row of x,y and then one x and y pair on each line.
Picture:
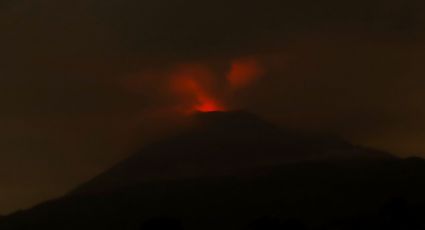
x,y
222,144
228,168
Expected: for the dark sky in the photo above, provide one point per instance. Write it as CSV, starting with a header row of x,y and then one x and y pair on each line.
x,y
84,82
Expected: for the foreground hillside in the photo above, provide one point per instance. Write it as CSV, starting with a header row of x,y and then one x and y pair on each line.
x,y
315,193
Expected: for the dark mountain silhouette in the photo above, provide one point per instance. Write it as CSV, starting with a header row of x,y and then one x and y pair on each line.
x,y
219,144
161,223
229,170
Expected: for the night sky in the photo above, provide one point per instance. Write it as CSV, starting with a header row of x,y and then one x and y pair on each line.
x,y
84,83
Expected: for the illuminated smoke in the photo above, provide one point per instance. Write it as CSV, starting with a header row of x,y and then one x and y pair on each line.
x,y
201,86
244,72
190,82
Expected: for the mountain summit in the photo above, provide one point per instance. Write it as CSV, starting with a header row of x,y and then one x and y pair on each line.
x,y
228,168
221,144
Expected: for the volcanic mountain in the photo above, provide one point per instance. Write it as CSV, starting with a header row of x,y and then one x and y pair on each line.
x,y
222,144
229,168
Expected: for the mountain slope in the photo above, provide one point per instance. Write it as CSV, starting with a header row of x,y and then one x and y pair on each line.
x,y
220,144
228,169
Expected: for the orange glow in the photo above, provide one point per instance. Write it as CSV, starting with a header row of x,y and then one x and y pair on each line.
x,y
244,72
198,87
208,105
190,83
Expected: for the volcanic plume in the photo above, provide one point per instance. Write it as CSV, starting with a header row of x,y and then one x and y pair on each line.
x,y
244,72
202,88
190,83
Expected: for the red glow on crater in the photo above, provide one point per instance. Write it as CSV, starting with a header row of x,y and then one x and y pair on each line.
x,y
190,83
209,106
200,87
